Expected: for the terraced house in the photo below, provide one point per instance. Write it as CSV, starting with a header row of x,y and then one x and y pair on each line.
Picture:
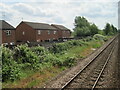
x,y
7,33
63,32
35,32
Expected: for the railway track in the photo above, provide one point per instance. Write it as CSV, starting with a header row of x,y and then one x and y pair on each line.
x,y
90,75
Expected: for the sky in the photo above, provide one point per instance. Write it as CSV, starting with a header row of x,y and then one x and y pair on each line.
x,y
61,12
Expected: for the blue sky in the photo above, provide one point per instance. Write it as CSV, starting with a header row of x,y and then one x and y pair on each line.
x,y
59,11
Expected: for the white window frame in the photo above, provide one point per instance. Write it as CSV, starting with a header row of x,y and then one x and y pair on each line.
x,y
49,32
23,33
55,32
8,32
39,32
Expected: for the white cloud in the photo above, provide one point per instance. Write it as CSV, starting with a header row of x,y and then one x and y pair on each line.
x,y
60,11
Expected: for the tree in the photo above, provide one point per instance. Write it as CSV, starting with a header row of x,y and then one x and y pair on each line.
x,y
81,22
114,29
107,29
119,30
94,29
81,27
84,28
110,29
82,31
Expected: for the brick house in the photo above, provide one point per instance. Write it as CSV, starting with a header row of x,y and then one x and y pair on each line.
x,y
63,32
7,33
35,32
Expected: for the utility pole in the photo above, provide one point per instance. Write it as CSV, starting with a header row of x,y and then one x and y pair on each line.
x,y
3,15
22,18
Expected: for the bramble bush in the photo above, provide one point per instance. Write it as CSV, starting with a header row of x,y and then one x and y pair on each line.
x,y
23,54
67,62
10,69
60,47
23,57
39,50
100,37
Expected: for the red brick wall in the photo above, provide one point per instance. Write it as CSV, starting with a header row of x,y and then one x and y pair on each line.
x,y
66,33
45,36
8,38
29,33
62,33
59,34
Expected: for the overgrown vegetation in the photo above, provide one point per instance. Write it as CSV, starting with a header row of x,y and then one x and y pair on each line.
x,y
23,58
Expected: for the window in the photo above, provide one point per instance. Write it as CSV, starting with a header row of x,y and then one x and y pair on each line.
x,y
23,33
8,32
39,32
48,32
54,32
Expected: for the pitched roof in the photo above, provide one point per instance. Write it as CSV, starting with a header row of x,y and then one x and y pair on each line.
x,y
61,27
38,26
5,26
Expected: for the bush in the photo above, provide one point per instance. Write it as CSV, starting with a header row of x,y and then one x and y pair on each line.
x,y
10,69
23,54
24,58
10,72
69,61
39,50
60,47
100,37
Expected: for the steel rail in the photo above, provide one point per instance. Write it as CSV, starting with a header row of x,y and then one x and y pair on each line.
x,y
111,52
63,87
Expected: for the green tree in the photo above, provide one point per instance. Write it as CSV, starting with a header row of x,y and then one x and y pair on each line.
x,y
107,29
81,27
82,31
119,30
110,29
94,29
114,29
81,22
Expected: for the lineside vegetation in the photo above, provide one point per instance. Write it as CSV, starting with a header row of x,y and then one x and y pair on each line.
x,y
23,57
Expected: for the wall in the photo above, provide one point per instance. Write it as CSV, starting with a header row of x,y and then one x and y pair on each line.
x,y
8,38
45,36
29,33
66,34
